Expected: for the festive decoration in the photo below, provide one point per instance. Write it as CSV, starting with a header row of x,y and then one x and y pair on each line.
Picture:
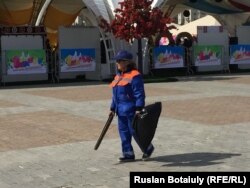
x,y
135,19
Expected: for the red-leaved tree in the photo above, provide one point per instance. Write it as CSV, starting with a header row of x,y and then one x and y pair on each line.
x,y
136,19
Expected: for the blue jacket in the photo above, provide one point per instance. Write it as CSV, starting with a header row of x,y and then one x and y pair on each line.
x,y
128,93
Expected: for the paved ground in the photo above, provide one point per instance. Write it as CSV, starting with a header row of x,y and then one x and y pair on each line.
x,y
47,134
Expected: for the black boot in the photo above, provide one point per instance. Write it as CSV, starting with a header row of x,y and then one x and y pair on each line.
x,y
126,159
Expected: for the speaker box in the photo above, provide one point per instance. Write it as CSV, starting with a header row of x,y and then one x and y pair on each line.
x,y
233,40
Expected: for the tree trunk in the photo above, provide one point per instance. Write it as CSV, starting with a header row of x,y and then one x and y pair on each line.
x,y
139,53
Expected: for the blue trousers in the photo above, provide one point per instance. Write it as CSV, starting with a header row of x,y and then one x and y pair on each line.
x,y
126,132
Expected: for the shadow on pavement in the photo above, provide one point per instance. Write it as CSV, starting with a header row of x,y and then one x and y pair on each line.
x,y
194,159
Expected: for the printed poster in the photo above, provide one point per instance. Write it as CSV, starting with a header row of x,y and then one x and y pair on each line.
x,y
207,55
240,54
168,57
75,60
26,61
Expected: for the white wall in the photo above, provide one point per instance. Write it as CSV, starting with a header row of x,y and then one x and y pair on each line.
x,y
12,42
15,42
213,36
243,34
81,37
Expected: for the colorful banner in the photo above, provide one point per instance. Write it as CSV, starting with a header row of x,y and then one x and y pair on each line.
x,y
168,57
75,60
208,55
26,61
240,54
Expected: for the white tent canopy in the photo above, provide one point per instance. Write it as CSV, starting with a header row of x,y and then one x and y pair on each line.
x,y
192,26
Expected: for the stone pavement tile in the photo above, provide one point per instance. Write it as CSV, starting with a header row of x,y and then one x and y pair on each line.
x,y
237,80
223,110
183,141
98,92
152,90
75,94
45,128
6,104
4,185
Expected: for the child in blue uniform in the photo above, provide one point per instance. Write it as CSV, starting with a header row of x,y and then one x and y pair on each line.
x,y
127,100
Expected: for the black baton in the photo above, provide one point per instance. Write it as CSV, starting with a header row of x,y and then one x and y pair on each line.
x,y
104,130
